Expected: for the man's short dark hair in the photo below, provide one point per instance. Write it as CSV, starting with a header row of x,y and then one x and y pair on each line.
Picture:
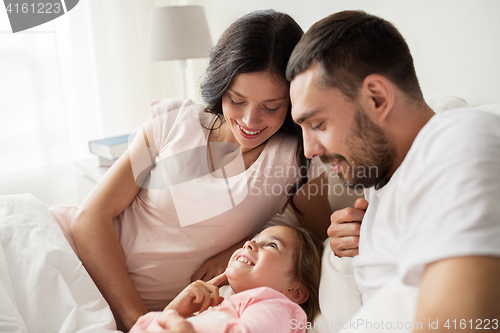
x,y
351,45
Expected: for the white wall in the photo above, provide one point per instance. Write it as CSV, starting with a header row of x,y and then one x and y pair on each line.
x,y
455,43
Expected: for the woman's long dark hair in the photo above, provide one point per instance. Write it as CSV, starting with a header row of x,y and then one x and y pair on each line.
x,y
259,41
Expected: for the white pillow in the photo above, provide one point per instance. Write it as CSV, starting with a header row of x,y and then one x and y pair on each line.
x,y
441,103
493,108
339,296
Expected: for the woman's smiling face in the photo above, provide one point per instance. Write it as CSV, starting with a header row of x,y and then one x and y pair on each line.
x,y
255,107
265,261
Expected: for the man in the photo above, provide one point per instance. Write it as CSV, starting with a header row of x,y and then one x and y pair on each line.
x,y
433,181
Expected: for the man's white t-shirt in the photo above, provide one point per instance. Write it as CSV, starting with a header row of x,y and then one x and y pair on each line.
x,y
443,201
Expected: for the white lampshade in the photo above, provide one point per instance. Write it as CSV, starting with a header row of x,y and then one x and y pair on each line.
x,y
178,33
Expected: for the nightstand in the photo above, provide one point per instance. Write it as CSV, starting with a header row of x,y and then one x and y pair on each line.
x,y
91,169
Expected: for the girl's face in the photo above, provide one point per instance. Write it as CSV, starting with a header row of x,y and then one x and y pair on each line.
x,y
265,261
255,107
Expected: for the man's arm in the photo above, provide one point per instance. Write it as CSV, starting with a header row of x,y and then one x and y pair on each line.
x,y
462,294
312,201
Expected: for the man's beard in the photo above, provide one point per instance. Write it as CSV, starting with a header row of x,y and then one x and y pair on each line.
x,y
373,154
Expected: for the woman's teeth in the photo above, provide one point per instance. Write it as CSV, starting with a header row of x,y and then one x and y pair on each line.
x,y
246,261
249,132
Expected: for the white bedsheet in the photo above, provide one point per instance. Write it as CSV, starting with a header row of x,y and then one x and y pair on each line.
x,y
43,285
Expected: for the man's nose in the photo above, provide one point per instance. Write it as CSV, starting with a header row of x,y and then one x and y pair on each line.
x,y
312,147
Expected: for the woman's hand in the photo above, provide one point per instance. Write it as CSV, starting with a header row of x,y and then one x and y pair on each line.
x,y
217,264
198,296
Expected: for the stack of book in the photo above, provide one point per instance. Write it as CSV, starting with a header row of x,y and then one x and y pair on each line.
x,y
110,149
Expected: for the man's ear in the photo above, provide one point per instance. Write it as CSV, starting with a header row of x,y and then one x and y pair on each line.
x,y
297,294
377,96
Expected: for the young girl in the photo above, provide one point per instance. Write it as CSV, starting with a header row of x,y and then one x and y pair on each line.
x,y
273,273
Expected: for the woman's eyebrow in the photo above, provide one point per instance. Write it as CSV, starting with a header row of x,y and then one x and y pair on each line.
x,y
267,100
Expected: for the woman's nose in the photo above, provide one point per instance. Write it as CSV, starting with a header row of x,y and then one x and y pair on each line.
x,y
251,118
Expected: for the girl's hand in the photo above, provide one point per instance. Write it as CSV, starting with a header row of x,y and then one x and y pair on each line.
x,y
198,296
173,323
162,322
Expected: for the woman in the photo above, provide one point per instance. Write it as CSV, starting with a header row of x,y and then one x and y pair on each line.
x,y
149,224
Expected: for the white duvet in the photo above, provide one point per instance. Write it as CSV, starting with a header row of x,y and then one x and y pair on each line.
x,y
43,285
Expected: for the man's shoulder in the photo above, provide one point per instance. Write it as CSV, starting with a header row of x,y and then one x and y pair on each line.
x,y
458,129
462,119
451,147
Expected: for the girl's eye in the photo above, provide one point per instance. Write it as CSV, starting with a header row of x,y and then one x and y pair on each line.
x,y
314,128
273,245
235,103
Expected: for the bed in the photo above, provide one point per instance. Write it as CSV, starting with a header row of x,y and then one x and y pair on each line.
x,y
45,288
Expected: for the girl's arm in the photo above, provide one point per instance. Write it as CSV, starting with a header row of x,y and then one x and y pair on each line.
x,y
162,322
198,296
95,235
264,315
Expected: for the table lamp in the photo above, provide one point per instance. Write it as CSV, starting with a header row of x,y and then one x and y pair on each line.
x,y
178,32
